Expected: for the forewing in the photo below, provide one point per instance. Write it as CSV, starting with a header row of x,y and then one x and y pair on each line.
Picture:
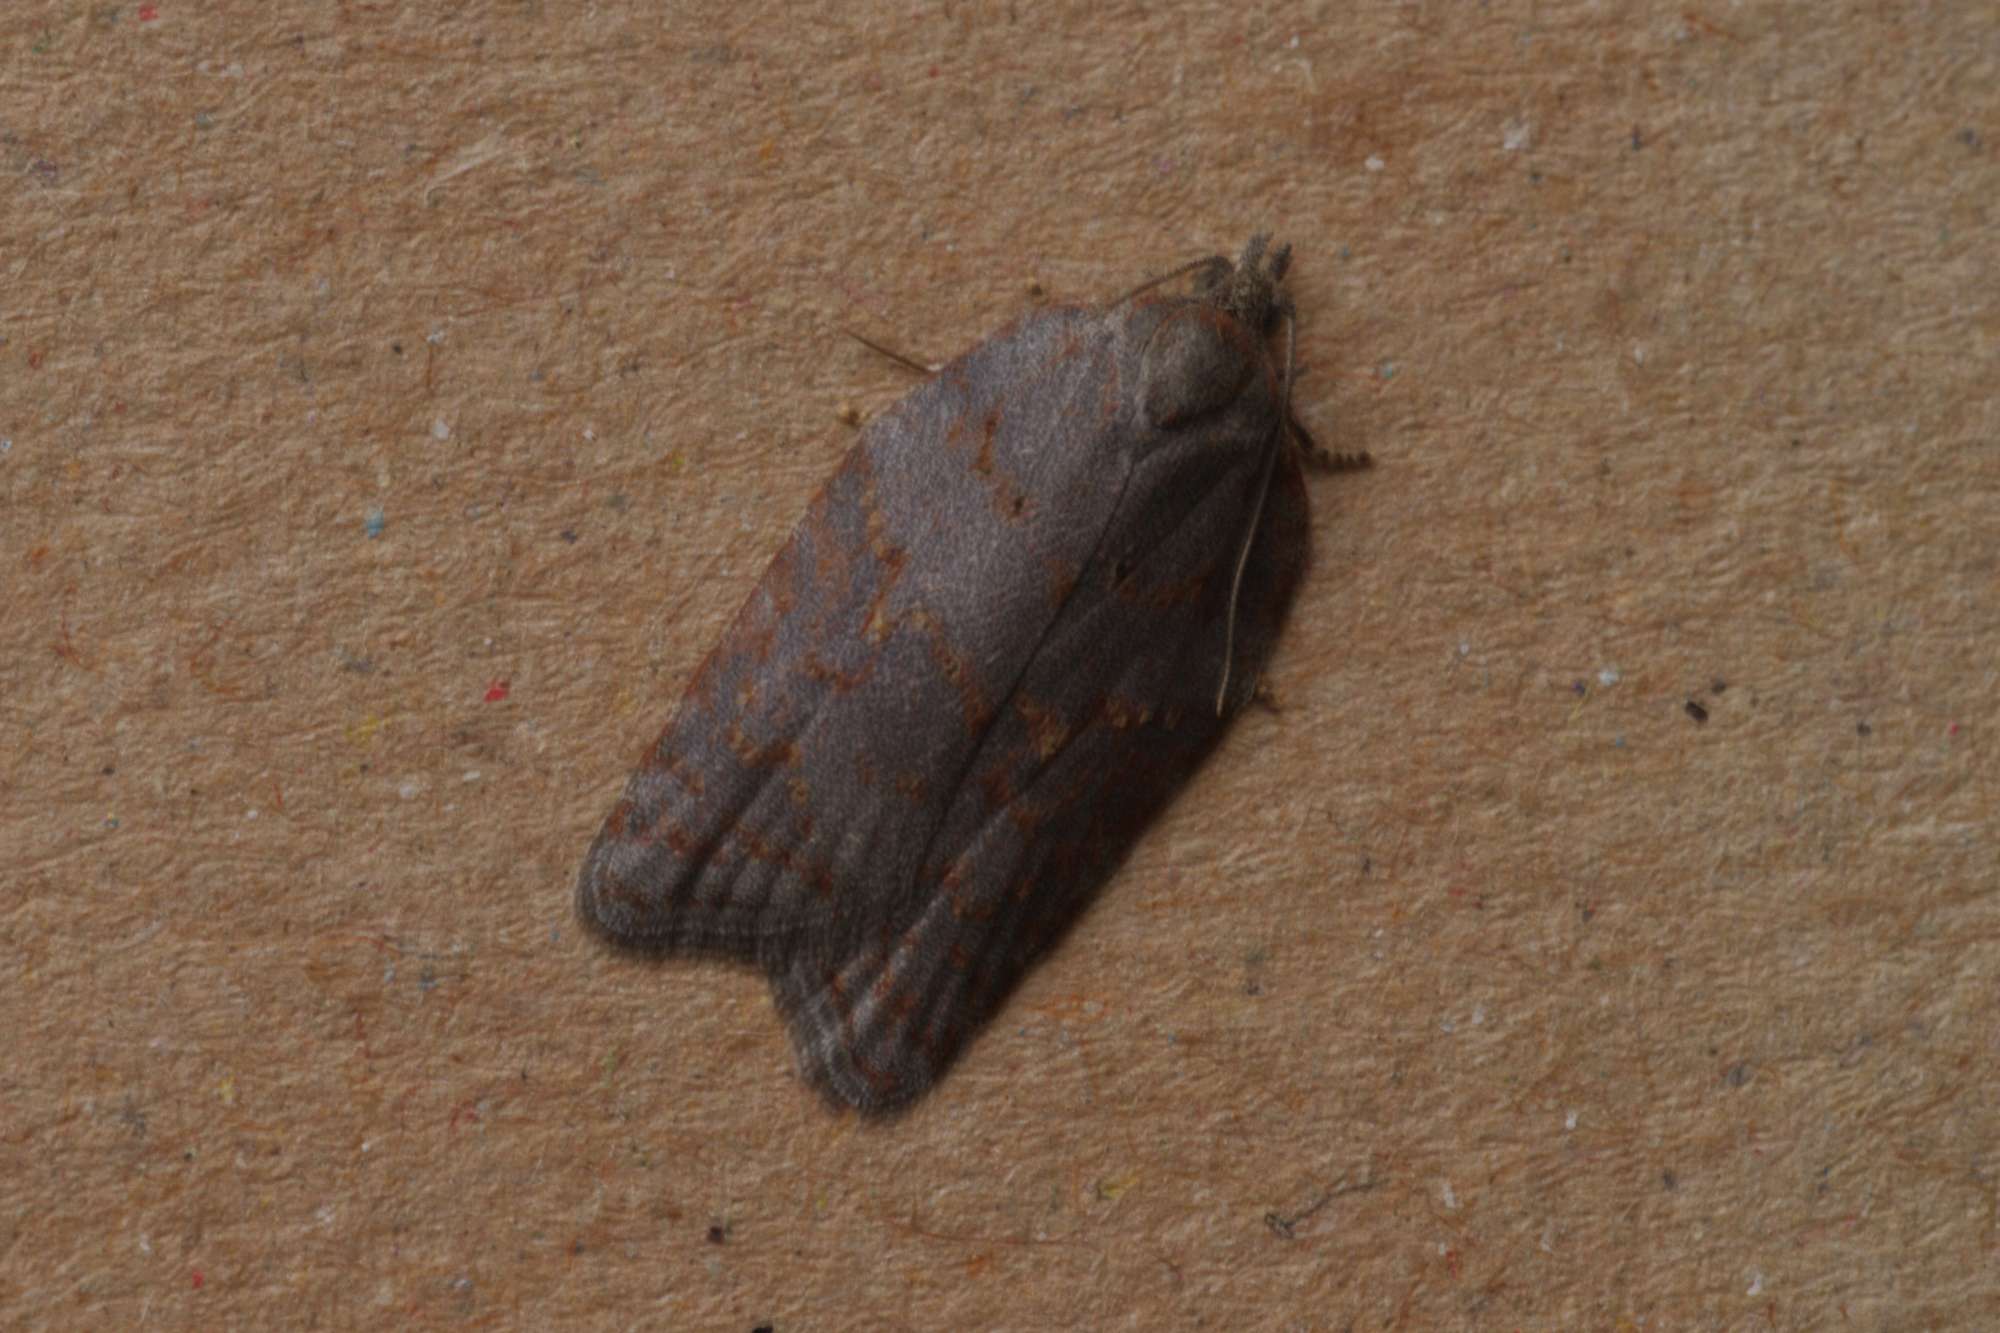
x,y
1113,713
797,790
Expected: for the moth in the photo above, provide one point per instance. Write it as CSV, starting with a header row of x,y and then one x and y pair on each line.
x,y
1007,629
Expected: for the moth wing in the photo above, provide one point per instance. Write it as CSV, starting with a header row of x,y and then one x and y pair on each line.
x,y
716,846
796,791
1082,773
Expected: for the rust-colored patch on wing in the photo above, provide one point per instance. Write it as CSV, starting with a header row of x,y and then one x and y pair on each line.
x,y
1048,729
761,755
953,665
1123,713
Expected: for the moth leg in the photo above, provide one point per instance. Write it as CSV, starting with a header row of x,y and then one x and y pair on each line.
x,y
920,367
1308,447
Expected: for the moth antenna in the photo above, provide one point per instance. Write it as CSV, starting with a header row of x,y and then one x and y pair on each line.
x,y
1211,264
1257,511
893,354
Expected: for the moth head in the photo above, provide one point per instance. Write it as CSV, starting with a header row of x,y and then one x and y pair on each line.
x,y
1204,354
1250,290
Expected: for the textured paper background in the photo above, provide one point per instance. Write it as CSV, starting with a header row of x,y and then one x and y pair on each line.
x,y
395,402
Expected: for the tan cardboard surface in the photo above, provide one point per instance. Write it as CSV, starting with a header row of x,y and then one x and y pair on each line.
x,y
395,401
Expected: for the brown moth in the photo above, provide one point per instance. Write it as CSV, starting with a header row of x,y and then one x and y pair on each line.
x,y
1005,632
